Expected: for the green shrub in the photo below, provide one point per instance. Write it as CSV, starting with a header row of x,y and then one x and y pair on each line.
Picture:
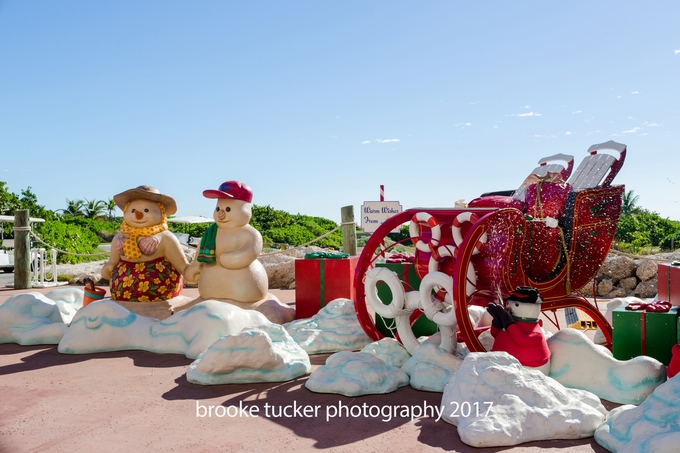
x,y
641,229
192,229
71,238
105,230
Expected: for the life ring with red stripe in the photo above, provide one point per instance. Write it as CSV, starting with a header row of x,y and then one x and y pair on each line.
x,y
414,231
451,251
456,225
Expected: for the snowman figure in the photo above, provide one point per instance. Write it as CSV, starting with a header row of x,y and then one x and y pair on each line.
x,y
226,265
147,261
517,329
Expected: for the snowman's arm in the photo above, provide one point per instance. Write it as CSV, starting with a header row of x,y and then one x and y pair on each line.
x,y
192,271
173,252
114,259
248,251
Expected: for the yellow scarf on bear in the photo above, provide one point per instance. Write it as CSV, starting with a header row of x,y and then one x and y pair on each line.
x,y
130,248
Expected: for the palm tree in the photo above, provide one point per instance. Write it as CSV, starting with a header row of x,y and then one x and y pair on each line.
x,y
111,207
629,202
94,209
74,208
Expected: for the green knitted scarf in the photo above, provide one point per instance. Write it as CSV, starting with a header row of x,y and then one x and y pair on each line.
x,y
207,252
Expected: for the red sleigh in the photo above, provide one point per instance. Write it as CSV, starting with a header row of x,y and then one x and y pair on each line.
x,y
488,250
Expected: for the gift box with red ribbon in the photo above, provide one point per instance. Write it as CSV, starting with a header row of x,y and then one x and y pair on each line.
x,y
669,282
645,328
320,280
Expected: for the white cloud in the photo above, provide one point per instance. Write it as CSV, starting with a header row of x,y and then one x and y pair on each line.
x,y
631,131
567,133
643,134
528,114
527,107
652,125
468,124
577,111
365,142
495,126
676,51
634,92
387,140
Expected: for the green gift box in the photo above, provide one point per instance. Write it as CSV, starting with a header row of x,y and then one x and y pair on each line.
x,y
640,332
408,275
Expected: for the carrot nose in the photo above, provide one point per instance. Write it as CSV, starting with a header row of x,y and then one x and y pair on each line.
x,y
139,215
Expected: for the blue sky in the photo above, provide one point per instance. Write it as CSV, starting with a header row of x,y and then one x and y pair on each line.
x,y
315,104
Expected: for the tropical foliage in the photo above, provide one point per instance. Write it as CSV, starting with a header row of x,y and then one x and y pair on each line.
x,y
278,226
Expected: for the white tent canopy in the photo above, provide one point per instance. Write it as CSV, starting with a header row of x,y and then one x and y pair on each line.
x,y
190,219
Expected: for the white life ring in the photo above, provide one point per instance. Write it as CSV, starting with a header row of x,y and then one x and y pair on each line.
x,y
414,230
451,251
462,218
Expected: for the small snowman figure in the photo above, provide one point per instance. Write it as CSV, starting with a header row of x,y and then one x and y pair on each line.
x,y
517,329
147,261
226,265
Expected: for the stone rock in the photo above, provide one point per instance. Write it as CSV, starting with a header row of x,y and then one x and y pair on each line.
x,y
628,284
604,287
616,292
646,289
651,426
576,362
587,290
646,270
617,268
271,307
524,404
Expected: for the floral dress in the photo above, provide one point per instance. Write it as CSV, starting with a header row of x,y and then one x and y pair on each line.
x,y
149,281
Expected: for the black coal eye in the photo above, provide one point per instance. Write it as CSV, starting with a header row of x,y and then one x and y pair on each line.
x,y
133,209
227,209
217,209
146,210
516,304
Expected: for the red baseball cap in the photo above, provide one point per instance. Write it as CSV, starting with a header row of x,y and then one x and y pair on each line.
x,y
231,189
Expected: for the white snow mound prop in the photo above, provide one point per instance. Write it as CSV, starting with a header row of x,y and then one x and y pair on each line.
x,y
334,328
31,318
653,426
256,354
106,326
356,373
496,402
431,367
577,362
389,350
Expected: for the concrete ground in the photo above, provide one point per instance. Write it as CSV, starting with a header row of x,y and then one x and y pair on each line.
x,y
136,401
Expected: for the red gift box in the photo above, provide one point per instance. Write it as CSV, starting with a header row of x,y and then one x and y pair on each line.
x,y
319,281
669,283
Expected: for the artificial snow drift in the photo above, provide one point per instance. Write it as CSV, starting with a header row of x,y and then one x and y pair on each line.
x,y
389,350
106,326
356,373
256,354
497,402
653,426
334,328
431,367
33,318
577,362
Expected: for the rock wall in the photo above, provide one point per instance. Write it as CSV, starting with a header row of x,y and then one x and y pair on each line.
x,y
621,276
